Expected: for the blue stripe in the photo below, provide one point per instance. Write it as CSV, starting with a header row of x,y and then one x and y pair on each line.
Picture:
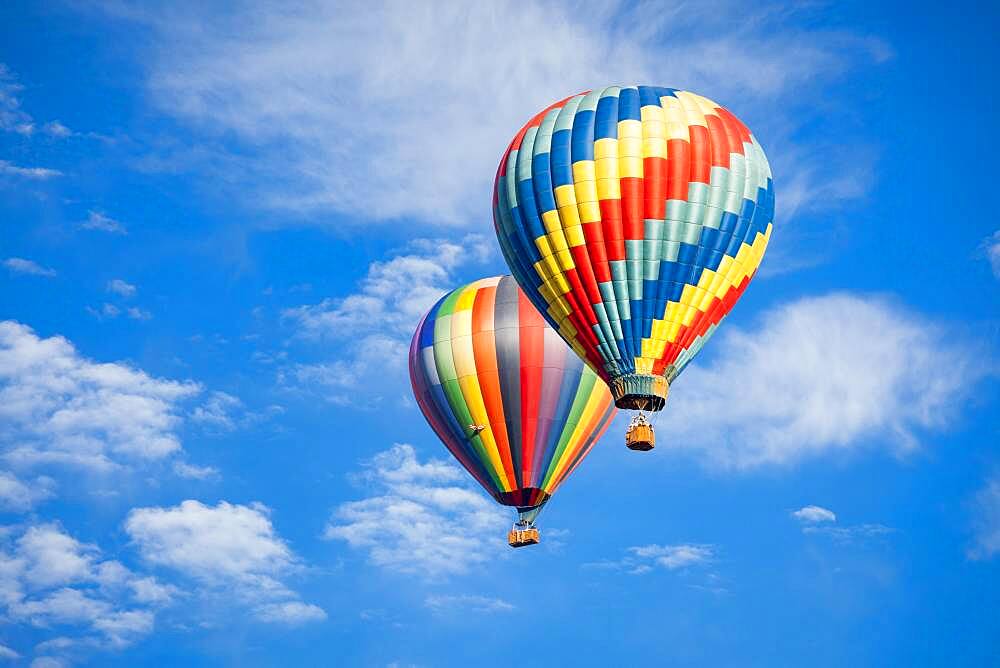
x,y
607,118
583,136
628,105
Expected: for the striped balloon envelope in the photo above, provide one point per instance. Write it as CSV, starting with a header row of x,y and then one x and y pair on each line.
x,y
634,218
505,394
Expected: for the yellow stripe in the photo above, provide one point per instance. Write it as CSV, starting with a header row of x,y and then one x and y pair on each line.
x,y
594,403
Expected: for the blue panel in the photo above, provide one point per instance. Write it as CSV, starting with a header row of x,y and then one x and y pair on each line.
x,y
607,118
628,105
583,136
648,96
526,194
541,177
562,171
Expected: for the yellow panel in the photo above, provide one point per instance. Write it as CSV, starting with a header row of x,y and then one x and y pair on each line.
x,y
605,148
544,249
464,303
550,219
606,168
583,170
586,191
610,188
630,167
565,196
574,235
590,212
654,147
643,365
630,148
629,128
678,130
566,262
689,315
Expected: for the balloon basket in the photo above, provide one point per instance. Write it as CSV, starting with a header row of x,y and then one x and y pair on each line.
x,y
520,537
640,436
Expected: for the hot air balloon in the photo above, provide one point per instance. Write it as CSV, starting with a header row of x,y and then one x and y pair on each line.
x,y
634,218
507,397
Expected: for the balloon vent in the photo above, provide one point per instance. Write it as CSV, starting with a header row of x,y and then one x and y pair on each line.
x,y
639,435
519,536
640,392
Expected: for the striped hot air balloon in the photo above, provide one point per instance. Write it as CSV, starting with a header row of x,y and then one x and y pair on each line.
x,y
634,218
505,395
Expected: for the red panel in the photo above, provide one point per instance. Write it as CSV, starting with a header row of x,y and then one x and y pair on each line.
x,y
680,169
720,141
532,342
654,191
742,131
614,235
632,208
586,273
593,236
732,134
701,158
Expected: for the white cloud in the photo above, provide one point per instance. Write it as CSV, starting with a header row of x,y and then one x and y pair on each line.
x,y
814,515
35,173
12,117
850,534
643,559
8,653
421,518
195,472
358,109
120,287
18,495
986,543
59,407
378,320
19,265
136,313
56,129
819,375
289,612
991,249
100,222
227,548
465,603
48,579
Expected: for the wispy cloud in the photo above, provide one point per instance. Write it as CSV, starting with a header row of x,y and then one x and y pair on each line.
x,y
986,522
422,518
227,549
819,375
850,534
643,559
34,173
120,287
378,320
333,104
59,408
19,495
991,250
101,222
19,265
814,515
466,603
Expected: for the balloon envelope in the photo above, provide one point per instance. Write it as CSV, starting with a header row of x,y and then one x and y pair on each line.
x,y
504,393
634,218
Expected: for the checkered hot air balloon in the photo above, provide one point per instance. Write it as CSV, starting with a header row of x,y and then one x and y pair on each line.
x,y
505,394
634,217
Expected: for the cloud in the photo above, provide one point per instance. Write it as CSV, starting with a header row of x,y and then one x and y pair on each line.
x,y
289,612
192,471
377,321
100,222
57,407
814,515
356,110
120,287
850,534
421,518
19,265
643,559
12,117
48,579
991,249
8,654
819,375
986,542
18,496
136,313
34,173
228,548
465,603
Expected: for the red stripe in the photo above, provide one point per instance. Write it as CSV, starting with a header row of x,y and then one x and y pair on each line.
x,y
701,158
594,238
680,169
611,221
532,332
654,171
485,353
632,208
719,141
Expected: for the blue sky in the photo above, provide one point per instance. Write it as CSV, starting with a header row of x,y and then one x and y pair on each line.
x,y
220,227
